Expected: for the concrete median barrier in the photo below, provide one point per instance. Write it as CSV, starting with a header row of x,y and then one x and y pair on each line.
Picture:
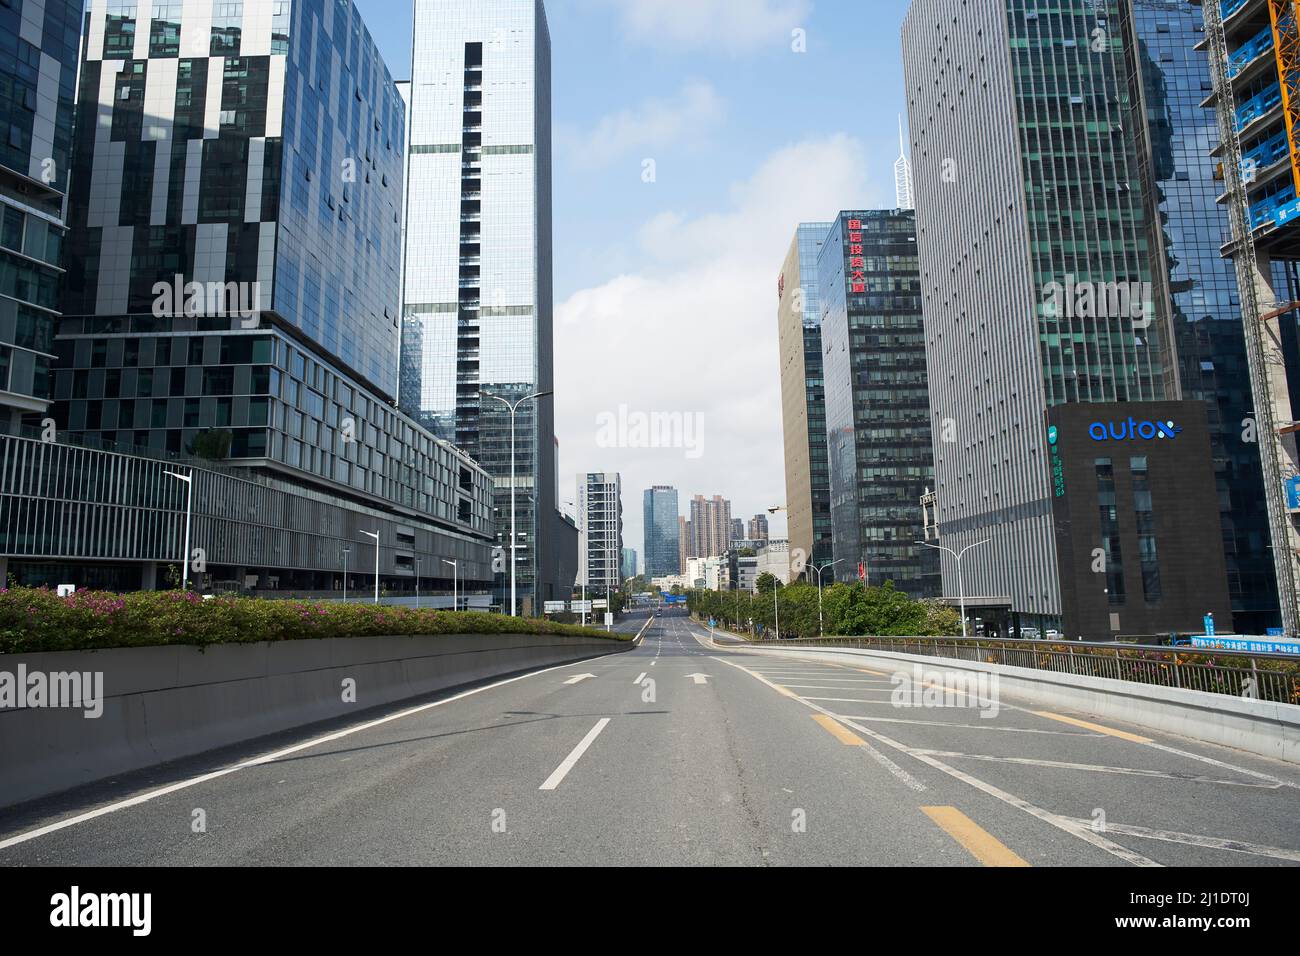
x,y
163,703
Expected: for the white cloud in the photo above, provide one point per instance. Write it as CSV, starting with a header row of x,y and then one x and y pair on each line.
x,y
653,125
693,330
733,26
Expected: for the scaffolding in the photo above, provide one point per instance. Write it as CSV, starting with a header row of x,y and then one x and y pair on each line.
x,y
1261,311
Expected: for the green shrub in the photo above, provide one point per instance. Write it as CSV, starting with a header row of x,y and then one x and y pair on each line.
x,y
37,619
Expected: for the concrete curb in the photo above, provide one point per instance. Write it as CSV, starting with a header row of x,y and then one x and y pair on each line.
x,y
1255,726
163,703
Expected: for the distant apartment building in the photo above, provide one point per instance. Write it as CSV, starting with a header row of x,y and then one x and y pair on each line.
x,y
757,528
684,541
737,529
600,528
711,526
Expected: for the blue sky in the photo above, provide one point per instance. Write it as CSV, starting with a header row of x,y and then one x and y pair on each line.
x,y
665,291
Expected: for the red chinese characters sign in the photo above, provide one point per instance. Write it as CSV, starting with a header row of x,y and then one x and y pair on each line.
x,y
857,264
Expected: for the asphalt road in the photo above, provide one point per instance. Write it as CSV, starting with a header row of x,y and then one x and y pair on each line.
x,y
680,752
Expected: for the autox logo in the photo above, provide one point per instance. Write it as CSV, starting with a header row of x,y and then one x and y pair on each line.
x,y
1133,429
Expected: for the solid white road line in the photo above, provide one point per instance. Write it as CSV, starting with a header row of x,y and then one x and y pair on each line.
x,y
1097,768
272,757
1195,839
945,724
579,679
562,770
639,678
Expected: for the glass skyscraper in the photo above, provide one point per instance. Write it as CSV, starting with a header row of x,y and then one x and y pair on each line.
x,y
1092,182
662,527
803,408
233,272
877,413
38,69
1169,79
476,315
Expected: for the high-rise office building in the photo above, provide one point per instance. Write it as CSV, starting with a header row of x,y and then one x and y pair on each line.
x,y
877,413
737,529
600,527
232,296
1018,154
662,527
803,401
757,529
711,527
684,542
476,311
628,567
38,60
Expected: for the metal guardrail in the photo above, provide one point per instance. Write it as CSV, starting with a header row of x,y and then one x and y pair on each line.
x,y
1272,677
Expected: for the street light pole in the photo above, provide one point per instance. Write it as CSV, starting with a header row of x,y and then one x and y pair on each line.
x,y
821,626
346,552
513,538
418,562
375,535
189,516
455,570
961,586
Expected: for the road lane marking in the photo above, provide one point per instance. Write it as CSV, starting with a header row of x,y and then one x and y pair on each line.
x,y
898,772
1097,768
974,839
1066,824
579,679
276,755
860,690
944,723
839,731
1005,705
1088,725
640,678
699,678
566,765
1195,839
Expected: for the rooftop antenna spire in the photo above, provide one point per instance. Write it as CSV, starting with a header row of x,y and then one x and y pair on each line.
x,y
902,172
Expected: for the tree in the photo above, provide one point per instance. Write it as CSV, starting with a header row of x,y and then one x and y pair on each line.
x,y
766,582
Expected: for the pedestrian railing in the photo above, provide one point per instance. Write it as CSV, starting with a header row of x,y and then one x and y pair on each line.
x,y
1273,677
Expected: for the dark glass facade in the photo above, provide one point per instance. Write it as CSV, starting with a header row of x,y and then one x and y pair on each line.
x,y
1169,80
877,411
38,68
662,527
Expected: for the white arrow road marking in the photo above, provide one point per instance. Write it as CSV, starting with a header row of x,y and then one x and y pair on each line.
x,y
700,678
562,770
579,678
640,678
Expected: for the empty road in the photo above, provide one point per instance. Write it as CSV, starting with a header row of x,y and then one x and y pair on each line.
x,y
685,753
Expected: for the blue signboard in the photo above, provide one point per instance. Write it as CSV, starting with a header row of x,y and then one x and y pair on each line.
x,y
1249,645
1274,632
1209,625
712,623
1293,492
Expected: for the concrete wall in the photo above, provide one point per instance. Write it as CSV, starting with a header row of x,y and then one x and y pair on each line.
x,y
162,703
1255,726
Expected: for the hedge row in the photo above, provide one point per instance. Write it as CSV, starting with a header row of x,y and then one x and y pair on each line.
x,y
37,619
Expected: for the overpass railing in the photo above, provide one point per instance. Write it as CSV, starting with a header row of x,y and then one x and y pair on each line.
x,y
1273,677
